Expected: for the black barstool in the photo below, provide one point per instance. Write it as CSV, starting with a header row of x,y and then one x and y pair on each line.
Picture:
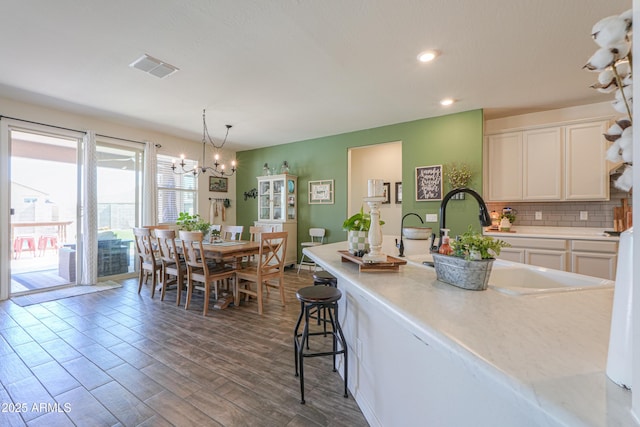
x,y
318,297
323,277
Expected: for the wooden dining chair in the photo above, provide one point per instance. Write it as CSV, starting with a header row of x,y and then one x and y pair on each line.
x,y
172,265
231,232
268,271
147,262
198,270
255,233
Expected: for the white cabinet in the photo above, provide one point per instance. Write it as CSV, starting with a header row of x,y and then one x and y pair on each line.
x,y
542,159
594,258
548,253
586,170
504,166
278,207
548,164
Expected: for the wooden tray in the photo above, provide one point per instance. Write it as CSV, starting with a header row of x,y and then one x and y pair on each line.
x,y
392,263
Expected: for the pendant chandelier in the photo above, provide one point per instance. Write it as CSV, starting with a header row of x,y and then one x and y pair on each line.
x,y
217,169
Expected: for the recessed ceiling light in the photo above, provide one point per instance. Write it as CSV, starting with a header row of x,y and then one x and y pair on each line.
x,y
427,55
446,102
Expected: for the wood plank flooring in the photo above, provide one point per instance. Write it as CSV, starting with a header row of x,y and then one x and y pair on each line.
x,y
116,358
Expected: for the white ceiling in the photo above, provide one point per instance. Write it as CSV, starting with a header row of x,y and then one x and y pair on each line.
x,y
287,70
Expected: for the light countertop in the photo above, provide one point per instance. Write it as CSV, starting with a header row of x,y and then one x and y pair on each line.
x,y
549,351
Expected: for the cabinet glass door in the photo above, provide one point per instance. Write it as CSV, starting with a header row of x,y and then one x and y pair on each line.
x,y
291,199
278,195
264,197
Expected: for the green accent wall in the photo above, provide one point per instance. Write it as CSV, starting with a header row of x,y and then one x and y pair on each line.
x,y
433,141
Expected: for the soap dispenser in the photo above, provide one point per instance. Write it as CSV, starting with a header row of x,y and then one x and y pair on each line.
x,y
445,247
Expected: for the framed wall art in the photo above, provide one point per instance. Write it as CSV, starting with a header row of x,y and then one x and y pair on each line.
x,y
398,192
321,192
386,192
428,183
220,185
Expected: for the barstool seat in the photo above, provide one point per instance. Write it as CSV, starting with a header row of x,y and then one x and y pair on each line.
x,y
323,277
319,298
43,240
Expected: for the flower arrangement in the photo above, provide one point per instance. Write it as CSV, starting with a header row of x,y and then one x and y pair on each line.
x,y
472,245
613,63
458,174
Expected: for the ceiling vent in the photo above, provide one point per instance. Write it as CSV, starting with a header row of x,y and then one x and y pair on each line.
x,y
153,66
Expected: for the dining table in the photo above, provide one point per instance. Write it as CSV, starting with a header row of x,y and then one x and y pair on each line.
x,y
225,250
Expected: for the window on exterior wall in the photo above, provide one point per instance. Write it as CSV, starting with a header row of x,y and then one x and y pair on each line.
x,y
176,192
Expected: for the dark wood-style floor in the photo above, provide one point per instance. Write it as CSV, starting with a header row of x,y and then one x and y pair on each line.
x,y
118,358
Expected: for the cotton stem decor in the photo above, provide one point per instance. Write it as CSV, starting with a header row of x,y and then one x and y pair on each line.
x,y
458,174
614,64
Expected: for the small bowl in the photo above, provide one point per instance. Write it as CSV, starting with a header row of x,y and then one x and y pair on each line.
x,y
417,233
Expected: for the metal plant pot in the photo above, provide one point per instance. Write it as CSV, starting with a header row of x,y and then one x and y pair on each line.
x,y
470,275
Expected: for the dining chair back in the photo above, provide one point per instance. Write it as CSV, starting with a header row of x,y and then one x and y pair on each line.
x,y
255,232
317,239
172,264
198,270
147,262
231,232
268,271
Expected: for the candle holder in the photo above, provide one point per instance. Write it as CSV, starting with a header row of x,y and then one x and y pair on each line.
x,y
375,231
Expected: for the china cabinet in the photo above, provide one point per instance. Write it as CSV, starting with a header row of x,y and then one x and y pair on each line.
x,y
278,208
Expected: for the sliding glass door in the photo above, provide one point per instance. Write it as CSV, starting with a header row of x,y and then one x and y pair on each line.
x,y
43,188
119,187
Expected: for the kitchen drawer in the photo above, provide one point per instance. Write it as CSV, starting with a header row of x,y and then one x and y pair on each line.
x,y
594,246
533,243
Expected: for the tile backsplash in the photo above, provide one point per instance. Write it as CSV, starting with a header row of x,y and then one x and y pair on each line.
x,y
566,214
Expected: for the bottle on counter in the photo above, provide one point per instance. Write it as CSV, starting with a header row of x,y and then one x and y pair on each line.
x,y
445,247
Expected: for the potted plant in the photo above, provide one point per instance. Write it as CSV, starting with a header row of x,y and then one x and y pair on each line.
x,y
189,222
358,226
469,267
506,221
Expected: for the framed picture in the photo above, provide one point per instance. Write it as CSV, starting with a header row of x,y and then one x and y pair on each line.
x,y
398,192
428,183
321,192
386,187
220,185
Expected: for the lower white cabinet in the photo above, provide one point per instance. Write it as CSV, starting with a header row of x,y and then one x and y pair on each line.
x,y
548,253
594,258
291,256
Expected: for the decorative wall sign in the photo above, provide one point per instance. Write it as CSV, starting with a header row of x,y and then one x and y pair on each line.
x,y
321,192
398,192
428,183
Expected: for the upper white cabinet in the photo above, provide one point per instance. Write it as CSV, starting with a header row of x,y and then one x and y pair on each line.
x,y
504,166
586,174
548,164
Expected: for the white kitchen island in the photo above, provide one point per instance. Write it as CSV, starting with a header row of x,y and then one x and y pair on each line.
x,y
426,353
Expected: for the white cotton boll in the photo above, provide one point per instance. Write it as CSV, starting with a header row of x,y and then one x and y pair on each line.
x,y
627,81
613,153
609,31
623,69
627,17
620,50
600,60
628,93
606,77
627,154
624,142
620,106
625,182
615,129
